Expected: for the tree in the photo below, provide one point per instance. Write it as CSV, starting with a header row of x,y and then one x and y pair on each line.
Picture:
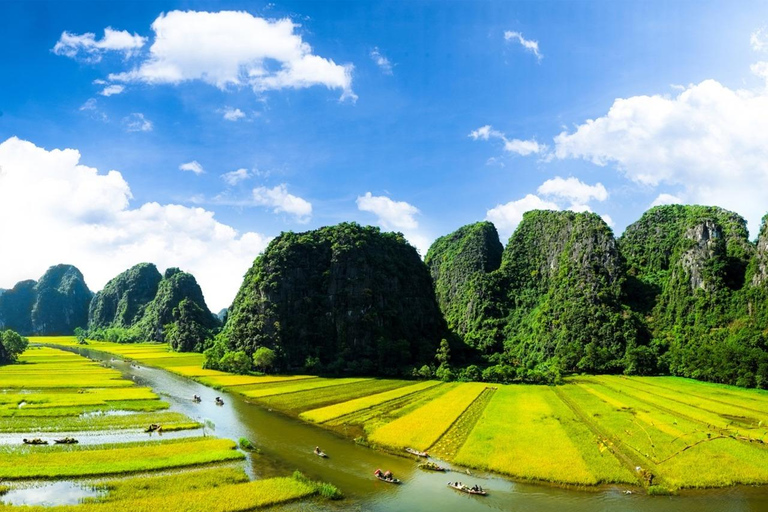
x,y
13,345
264,358
443,355
80,335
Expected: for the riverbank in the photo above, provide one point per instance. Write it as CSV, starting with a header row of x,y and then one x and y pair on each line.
x,y
661,433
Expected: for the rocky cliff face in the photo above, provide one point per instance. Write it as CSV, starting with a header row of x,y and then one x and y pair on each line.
x,y
16,307
459,264
124,299
347,297
759,270
62,301
175,287
55,305
563,274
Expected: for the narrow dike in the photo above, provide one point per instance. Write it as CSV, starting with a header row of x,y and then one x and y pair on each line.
x,y
629,461
449,444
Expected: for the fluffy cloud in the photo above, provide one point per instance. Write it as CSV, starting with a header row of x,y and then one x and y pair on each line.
x,y
666,199
232,114
234,49
136,122
283,202
85,218
111,90
193,166
573,189
507,216
396,216
710,141
232,178
86,46
528,44
521,147
384,65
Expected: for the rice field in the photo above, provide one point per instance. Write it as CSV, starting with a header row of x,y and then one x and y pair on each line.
x,y
51,390
666,432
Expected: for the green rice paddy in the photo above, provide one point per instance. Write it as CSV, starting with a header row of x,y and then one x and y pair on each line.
x,y
666,432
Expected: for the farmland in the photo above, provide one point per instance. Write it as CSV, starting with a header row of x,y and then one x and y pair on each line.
x,y
662,433
51,392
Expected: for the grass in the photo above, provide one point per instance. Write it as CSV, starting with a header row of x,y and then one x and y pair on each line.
x,y
331,412
223,498
81,461
169,420
311,398
423,427
537,445
300,386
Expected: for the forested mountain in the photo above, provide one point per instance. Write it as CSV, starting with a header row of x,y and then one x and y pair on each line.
x,y
140,304
343,298
56,304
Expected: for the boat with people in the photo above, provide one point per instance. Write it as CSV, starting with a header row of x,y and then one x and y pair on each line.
x,y
35,441
417,453
219,401
66,440
320,453
386,476
197,399
475,489
431,466
154,427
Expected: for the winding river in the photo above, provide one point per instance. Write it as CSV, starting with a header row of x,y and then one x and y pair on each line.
x,y
286,444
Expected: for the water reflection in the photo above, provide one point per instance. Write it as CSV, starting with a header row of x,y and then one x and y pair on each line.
x,y
49,494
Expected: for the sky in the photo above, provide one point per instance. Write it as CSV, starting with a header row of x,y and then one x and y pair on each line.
x,y
189,134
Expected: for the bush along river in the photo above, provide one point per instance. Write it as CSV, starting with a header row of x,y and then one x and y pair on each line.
x,y
285,444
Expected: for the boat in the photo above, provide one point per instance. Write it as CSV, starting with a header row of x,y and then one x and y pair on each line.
x,y
35,441
197,399
417,452
386,476
154,427
431,466
320,453
391,480
219,401
66,440
464,488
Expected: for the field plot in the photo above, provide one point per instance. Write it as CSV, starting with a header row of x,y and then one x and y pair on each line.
x,y
315,397
78,461
677,451
332,412
543,443
423,427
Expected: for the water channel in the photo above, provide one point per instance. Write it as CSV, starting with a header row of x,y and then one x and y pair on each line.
x,y
286,444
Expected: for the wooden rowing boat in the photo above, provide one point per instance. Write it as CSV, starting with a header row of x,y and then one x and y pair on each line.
x,y
417,452
392,480
468,490
431,466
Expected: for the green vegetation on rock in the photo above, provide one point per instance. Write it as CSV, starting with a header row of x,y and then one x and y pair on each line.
x,y
343,298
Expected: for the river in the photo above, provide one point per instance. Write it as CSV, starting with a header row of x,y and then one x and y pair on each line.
x,y
286,444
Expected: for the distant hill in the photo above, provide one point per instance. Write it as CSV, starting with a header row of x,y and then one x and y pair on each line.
x,y
54,305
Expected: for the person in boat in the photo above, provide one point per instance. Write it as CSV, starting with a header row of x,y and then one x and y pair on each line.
x,y
197,398
318,451
388,475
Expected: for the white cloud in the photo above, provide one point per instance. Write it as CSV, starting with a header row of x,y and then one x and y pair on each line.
x,y
85,218
521,147
193,166
529,44
391,214
608,220
711,141
112,89
507,216
573,189
136,122
396,216
279,198
759,40
384,65
232,178
232,114
86,45
666,199
235,49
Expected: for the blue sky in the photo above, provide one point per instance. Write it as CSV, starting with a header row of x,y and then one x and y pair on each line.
x,y
415,116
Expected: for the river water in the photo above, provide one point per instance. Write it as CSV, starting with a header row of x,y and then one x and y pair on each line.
x,y
286,444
